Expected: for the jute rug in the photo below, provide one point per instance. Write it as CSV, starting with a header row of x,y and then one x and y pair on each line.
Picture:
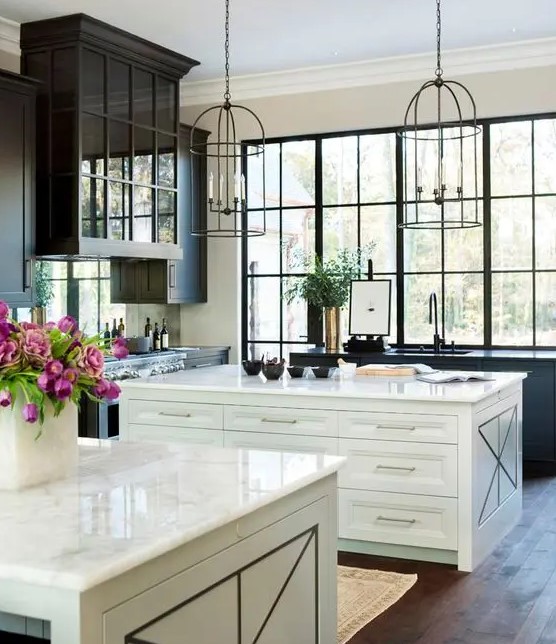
x,y
364,594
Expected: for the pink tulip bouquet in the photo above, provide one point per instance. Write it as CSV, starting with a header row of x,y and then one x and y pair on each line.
x,y
54,362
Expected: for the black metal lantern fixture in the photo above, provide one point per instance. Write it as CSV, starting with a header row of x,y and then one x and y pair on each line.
x,y
227,199
440,159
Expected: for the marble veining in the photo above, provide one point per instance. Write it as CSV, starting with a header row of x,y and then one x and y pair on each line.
x,y
130,502
232,379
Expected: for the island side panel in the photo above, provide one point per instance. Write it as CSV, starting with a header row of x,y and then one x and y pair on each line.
x,y
225,577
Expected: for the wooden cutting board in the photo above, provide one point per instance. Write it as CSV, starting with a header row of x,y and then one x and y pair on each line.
x,y
381,370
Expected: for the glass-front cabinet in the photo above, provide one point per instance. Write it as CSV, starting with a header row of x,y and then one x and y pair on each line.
x,y
107,139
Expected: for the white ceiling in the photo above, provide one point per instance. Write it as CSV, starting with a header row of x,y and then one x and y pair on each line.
x,y
278,35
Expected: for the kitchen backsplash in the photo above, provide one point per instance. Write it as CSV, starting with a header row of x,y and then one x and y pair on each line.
x,y
136,316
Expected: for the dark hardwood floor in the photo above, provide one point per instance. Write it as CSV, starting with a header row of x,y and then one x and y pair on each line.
x,y
509,599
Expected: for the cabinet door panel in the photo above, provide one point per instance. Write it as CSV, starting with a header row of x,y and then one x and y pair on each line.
x,y
16,189
280,420
539,416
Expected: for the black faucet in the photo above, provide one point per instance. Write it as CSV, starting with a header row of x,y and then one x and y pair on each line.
x,y
433,310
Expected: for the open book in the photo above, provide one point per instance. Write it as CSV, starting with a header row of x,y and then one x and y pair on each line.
x,y
452,376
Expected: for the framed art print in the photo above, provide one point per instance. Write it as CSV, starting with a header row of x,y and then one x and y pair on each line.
x,y
369,307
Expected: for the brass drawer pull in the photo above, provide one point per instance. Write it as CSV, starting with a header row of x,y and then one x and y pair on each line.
x,y
395,467
166,413
380,518
278,420
396,427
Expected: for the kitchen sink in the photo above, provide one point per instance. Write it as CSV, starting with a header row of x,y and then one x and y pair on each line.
x,y
431,352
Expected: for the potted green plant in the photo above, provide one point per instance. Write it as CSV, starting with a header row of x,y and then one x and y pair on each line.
x,y
327,285
44,291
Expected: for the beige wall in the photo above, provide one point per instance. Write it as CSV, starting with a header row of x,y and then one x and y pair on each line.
x,y
496,94
9,61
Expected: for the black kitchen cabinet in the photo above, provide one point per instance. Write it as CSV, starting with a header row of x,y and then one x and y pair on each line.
x,y
539,389
17,187
173,281
107,139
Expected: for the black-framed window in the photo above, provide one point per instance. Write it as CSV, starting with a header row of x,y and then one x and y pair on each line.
x,y
495,284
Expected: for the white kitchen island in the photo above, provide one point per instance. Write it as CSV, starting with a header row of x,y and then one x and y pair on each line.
x,y
171,544
433,471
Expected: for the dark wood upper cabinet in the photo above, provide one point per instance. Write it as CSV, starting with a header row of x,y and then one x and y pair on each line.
x,y
17,187
107,139
173,281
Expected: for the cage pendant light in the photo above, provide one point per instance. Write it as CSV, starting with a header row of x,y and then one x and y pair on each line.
x,y
227,197
440,159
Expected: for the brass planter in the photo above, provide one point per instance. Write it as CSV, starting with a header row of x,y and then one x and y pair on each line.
x,y
38,315
332,328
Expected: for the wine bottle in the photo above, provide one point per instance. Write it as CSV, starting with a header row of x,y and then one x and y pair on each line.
x,y
114,333
106,335
121,328
164,336
149,333
156,338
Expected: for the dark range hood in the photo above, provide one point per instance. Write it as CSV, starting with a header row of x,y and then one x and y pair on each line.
x,y
107,140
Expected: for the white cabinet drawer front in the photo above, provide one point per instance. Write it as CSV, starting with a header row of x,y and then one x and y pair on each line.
x,y
281,420
412,468
405,519
281,442
175,414
190,435
398,427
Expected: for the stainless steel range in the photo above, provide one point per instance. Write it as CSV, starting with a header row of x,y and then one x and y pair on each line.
x,y
101,420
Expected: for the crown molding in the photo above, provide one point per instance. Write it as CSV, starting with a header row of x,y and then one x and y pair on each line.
x,y
457,62
9,36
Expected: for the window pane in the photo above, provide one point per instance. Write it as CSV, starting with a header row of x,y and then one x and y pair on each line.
x,y
512,234
85,269
118,211
94,149
512,308
166,160
288,349
298,173
120,150
298,238
339,229
142,214
58,307
88,306
263,253
118,89
92,207
143,83
109,311
166,216
271,175
422,250
546,309
59,270
510,150
339,170
294,316
378,224
545,155
143,157
377,160
464,305
463,248
93,81
263,308
416,303
166,104
545,232
262,351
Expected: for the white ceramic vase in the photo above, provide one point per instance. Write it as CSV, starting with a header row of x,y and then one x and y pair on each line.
x,y
26,460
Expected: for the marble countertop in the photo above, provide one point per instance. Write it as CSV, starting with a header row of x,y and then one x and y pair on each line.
x,y
131,502
232,379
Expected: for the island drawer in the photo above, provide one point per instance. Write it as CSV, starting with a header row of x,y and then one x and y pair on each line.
x,y
411,468
281,420
394,426
282,442
404,519
175,414
190,435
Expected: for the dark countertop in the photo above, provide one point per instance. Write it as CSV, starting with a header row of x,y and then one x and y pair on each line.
x,y
502,354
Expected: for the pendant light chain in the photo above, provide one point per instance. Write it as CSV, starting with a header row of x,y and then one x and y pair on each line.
x,y
227,95
439,70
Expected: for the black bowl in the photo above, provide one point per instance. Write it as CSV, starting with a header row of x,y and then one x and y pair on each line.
x,y
296,371
273,371
252,367
322,372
